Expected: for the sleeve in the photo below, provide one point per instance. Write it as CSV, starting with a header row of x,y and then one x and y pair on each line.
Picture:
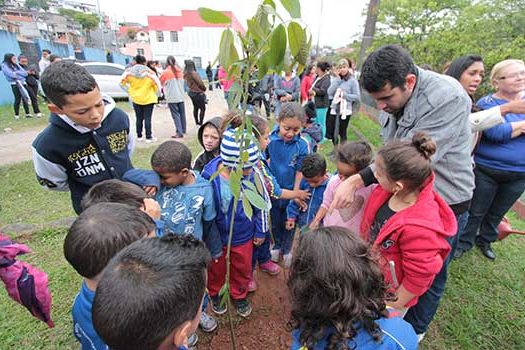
x,y
50,175
131,142
279,91
486,119
212,238
8,72
296,89
334,85
322,87
209,211
499,134
124,84
41,66
367,174
260,222
304,91
21,72
304,150
199,81
328,195
355,94
292,210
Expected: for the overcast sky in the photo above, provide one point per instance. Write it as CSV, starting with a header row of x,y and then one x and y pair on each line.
x,y
340,20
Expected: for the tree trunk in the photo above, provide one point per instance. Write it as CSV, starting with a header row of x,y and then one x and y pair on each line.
x,y
370,28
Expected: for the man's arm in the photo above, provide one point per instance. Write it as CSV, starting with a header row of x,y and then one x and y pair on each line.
x,y
50,175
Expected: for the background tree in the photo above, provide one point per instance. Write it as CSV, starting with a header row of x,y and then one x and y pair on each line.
x,y
35,4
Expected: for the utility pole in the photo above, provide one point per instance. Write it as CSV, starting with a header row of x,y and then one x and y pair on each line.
x,y
370,29
101,26
319,30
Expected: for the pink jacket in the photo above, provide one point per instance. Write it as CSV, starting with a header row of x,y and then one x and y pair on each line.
x,y
223,79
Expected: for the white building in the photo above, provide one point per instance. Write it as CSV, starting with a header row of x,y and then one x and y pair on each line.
x,y
187,37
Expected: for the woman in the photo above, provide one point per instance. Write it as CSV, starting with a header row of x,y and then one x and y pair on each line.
x,y
173,84
196,91
306,83
345,89
500,165
16,77
287,89
319,92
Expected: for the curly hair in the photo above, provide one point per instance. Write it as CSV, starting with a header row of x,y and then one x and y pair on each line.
x,y
335,282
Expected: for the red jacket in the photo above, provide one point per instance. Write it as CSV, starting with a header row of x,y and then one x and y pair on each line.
x,y
306,85
413,238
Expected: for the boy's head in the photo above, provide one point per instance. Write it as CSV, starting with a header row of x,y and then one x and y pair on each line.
x,y
72,91
139,59
314,169
150,295
231,150
209,134
100,232
352,157
172,161
291,120
115,191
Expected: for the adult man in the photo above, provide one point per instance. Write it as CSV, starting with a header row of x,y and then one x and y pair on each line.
x,y
413,100
209,75
44,61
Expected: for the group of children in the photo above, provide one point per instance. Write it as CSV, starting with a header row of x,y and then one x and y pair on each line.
x,y
153,253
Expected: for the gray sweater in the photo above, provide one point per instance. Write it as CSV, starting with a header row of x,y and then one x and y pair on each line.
x,y
441,107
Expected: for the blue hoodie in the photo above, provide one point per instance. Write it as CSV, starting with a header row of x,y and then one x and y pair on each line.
x,y
244,229
304,218
14,73
83,328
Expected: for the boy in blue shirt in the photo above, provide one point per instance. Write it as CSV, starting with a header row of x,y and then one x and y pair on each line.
x,y
315,179
99,233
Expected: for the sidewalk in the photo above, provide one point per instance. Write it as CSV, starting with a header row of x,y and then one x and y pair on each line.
x,y
16,146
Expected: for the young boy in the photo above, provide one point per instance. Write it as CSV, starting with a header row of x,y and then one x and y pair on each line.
x,y
99,233
151,293
88,139
209,136
315,180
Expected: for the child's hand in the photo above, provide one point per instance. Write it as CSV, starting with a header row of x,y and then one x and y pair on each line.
x,y
152,208
290,224
302,204
150,190
302,195
314,225
258,241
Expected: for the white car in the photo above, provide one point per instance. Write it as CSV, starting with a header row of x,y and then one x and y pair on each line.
x,y
107,76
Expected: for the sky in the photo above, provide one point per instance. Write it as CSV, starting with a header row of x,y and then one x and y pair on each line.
x,y
338,22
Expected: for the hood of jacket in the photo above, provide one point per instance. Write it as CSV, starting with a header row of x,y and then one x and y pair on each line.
x,y
215,122
140,71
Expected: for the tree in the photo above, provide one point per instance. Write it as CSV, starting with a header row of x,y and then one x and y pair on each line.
x,y
35,4
370,29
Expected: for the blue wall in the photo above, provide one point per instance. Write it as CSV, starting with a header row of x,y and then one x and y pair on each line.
x,y
95,55
62,50
8,44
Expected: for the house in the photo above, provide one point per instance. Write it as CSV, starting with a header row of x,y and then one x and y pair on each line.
x,y
187,37
133,39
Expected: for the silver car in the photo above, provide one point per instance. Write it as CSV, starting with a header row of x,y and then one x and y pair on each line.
x,y
108,77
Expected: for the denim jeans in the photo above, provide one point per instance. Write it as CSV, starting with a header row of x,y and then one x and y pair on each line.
x,y
421,314
495,193
179,116
143,114
283,237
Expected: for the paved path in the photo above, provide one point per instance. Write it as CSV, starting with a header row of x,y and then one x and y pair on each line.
x,y
16,146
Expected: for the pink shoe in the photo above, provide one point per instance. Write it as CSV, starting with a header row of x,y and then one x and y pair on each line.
x,y
270,267
252,285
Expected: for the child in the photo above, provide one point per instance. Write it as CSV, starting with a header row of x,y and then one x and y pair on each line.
x,y
151,294
88,139
338,296
209,136
351,158
99,233
315,180
406,221
246,231
312,131
286,152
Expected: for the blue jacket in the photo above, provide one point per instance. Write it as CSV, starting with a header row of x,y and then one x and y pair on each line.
x,y
14,74
244,229
83,328
396,334
313,135
497,150
286,158
304,218
67,156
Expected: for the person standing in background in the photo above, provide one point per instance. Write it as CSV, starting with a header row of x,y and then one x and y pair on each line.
x,y
209,75
44,61
196,91
173,84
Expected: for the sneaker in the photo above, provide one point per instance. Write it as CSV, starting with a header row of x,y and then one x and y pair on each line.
x,y
252,285
39,115
178,136
217,306
17,117
243,307
193,339
207,323
270,268
140,139
153,139
29,115
420,337
275,255
287,260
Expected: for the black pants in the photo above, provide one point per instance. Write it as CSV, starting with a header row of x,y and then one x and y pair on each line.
x,y
210,83
330,128
143,113
18,99
33,95
199,106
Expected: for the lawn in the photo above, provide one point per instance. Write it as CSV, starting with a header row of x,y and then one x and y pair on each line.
x,y
482,308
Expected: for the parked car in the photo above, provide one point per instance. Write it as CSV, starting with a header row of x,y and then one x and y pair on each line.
x,y
107,76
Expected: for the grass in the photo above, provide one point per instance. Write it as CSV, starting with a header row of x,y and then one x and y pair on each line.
x,y
482,307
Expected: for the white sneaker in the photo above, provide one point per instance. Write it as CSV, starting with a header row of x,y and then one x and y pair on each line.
x,y
420,337
153,139
29,115
287,260
17,117
39,115
140,139
275,255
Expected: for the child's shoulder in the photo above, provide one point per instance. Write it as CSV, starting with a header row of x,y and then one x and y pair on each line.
x,y
397,331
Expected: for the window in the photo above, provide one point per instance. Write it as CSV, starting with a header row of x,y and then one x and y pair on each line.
x,y
140,52
174,37
160,36
198,63
103,70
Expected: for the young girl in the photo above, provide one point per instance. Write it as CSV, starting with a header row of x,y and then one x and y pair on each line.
x,y
406,221
209,136
351,157
286,152
338,296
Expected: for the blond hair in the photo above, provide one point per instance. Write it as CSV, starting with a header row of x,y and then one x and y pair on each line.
x,y
499,67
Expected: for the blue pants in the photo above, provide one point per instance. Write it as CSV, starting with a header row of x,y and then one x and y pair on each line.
x,y
421,314
321,119
179,116
283,237
261,254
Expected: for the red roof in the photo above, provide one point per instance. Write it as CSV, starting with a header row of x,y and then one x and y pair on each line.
x,y
18,18
189,18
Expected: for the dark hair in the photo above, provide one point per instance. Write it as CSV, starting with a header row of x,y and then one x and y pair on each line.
x,y
65,78
8,60
409,161
46,50
291,110
53,58
21,56
171,156
313,165
151,65
324,66
335,282
100,232
114,191
461,64
150,289
233,119
171,63
389,64
189,67
356,153
139,59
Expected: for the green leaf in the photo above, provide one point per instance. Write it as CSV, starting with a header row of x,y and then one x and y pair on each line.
x,y
255,29
250,185
212,16
235,184
277,45
263,64
247,207
215,174
296,37
224,293
270,3
228,53
293,7
259,184
256,199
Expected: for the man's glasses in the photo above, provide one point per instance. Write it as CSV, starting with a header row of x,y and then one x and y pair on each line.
x,y
513,75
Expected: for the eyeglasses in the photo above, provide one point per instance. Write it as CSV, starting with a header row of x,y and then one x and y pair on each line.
x,y
514,75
